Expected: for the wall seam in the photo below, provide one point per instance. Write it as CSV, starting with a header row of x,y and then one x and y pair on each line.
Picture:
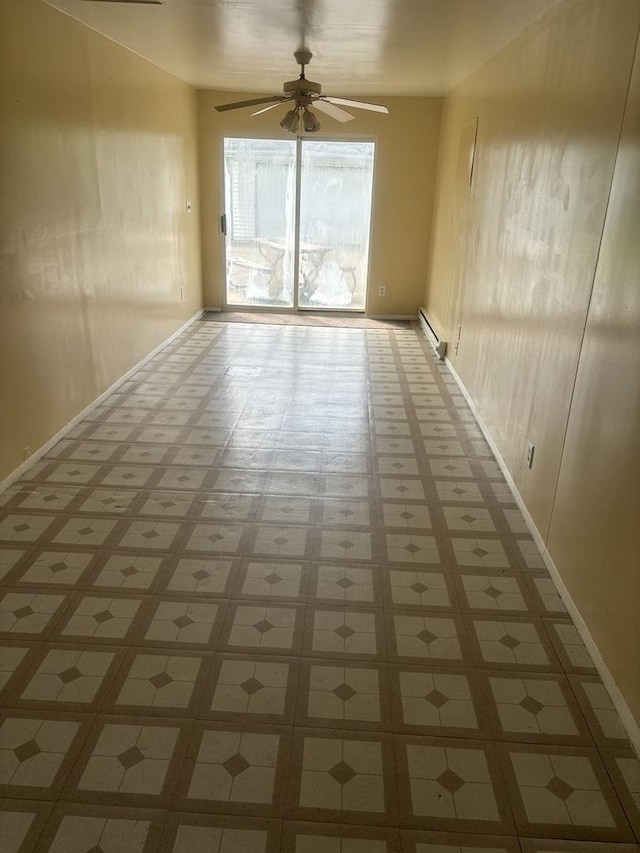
x,y
547,532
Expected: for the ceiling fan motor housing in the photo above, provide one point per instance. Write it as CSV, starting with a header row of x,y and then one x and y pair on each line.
x,y
301,87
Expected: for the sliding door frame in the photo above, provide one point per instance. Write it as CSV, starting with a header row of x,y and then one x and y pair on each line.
x,y
295,308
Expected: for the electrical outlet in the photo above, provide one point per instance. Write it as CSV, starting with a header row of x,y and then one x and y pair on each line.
x,y
188,207
26,453
530,451
382,290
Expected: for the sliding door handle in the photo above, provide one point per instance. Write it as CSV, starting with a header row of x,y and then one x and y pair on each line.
x,y
223,224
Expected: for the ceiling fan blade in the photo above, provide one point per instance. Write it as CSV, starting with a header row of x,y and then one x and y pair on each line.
x,y
361,105
140,2
271,107
331,110
271,99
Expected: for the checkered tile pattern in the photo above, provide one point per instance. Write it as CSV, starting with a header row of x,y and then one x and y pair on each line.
x,y
274,594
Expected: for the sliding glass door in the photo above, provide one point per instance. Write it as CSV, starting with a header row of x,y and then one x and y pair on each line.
x,y
259,226
335,214
297,220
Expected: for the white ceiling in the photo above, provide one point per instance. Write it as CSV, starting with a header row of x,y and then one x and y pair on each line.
x,y
364,47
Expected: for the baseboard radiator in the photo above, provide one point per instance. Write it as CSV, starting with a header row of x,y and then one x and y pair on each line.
x,y
439,346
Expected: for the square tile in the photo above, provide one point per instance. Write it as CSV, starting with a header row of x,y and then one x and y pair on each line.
x,y
560,792
456,842
533,708
438,702
270,629
28,614
451,785
36,753
181,478
354,634
623,767
545,595
191,624
72,677
108,501
450,468
56,568
9,557
126,475
459,491
24,528
344,545
13,658
414,638
344,513
424,590
75,828
358,585
200,575
127,571
286,510
85,531
215,538
235,771
511,643
411,548
46,498
128,761
345,486
156,682
413,516
305,837
149,535
98,618
402,488
443,447
493,593
480,552
199,833
167,504
397,465
272,580
21,823
256,689
602,718
569,647
531,558
342,777
332,694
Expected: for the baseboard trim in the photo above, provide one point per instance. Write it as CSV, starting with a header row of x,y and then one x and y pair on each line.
x,y
40,452
258,310
629,722
624,712
390,316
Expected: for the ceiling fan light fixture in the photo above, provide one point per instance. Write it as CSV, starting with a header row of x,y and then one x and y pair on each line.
x,y
310,122
290,122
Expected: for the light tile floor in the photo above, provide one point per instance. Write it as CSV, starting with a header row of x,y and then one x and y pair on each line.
x,y
274,594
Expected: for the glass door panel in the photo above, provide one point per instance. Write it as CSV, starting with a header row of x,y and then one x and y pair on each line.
x,y
260,190
335,215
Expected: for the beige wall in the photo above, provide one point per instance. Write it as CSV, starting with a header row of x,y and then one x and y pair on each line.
x,y
595,530
513,262
98,157
406,158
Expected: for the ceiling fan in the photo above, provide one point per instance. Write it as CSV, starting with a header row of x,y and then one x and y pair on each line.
x,y
302,94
